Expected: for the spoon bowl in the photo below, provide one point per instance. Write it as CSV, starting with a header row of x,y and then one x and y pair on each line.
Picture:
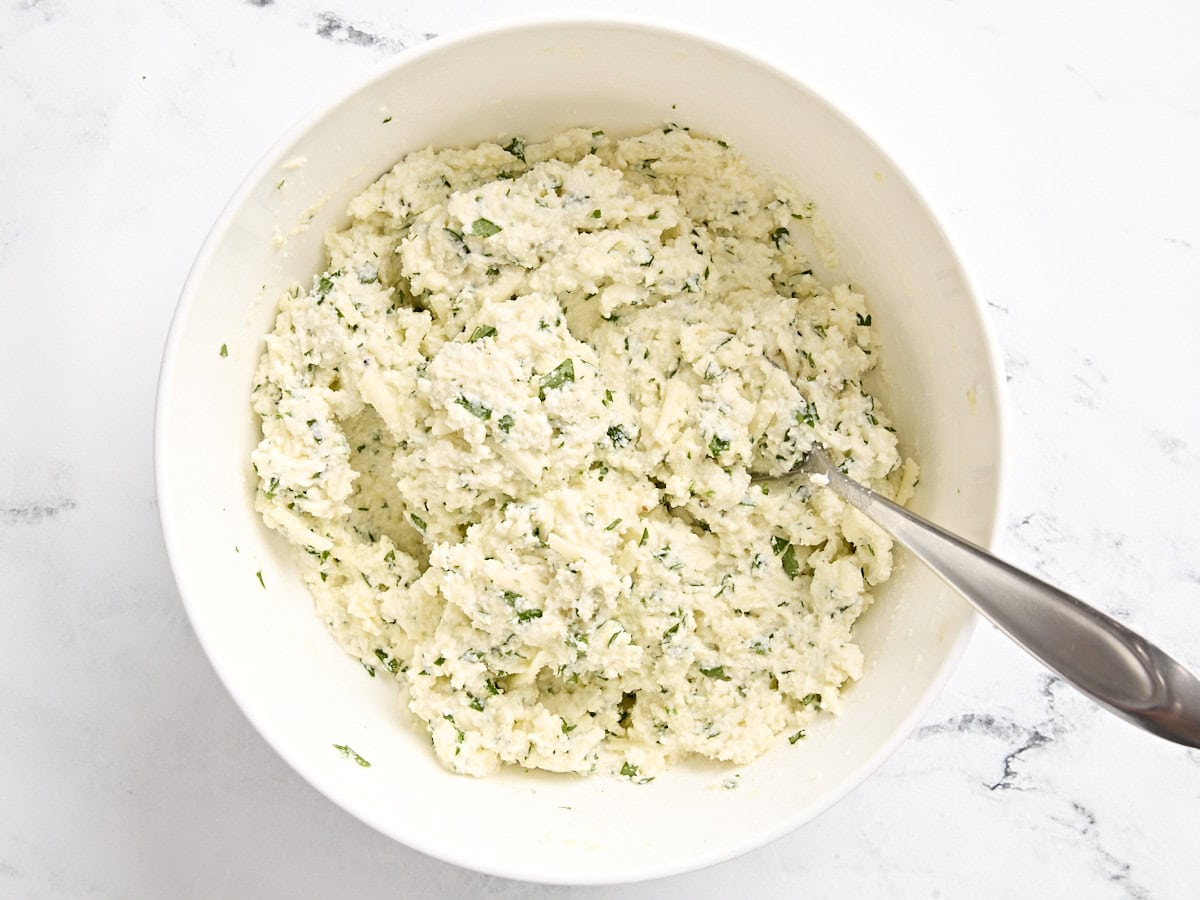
x,y
1111,664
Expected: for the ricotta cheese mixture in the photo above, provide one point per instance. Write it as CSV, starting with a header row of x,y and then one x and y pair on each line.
x,y
510,431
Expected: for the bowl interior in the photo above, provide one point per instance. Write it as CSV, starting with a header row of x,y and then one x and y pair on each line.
x,y
938,380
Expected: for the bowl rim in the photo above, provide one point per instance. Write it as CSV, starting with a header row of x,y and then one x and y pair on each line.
x,y
413,837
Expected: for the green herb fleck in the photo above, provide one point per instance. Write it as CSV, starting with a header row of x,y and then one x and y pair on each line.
x,y
617,435
820,330
459,732
807,414
557,377
613,524
629,770
526,615
608,397
350,754
417,520
778,234
717,672
224,350
506,423
517,148
390,556
481,332
652,216
439,660
798,736
645,537
258,574
567,729
717,446
388,119
863,320
484,228
324,285
392,665
596,214
478,410
811,699
790,565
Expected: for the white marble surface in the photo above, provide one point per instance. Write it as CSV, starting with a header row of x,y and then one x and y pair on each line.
x,y
1058,143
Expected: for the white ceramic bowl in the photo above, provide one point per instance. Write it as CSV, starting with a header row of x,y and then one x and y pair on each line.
x,y
294,683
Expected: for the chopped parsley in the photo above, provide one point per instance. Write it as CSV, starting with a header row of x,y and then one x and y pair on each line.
x,y
484,228
392,665
798,736
525,615
417,520
224,350
717,446
863,320
478,410
613,524
506,423
617,435
258,574
517,148
348,753
717,672
325,284
790,565
596,214
777,236
807,414
481,332
557,377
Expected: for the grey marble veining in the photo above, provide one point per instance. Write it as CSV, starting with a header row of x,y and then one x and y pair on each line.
x,y
1056,143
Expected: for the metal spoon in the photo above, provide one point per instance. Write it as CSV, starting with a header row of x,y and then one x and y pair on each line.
x,y
1120,670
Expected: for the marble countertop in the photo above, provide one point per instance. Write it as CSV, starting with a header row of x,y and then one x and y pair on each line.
x,y
1057,142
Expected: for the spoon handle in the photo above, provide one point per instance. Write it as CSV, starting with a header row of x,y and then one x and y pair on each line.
x,y
1116,667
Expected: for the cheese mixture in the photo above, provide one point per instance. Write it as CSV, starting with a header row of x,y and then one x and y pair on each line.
x,y
510,431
